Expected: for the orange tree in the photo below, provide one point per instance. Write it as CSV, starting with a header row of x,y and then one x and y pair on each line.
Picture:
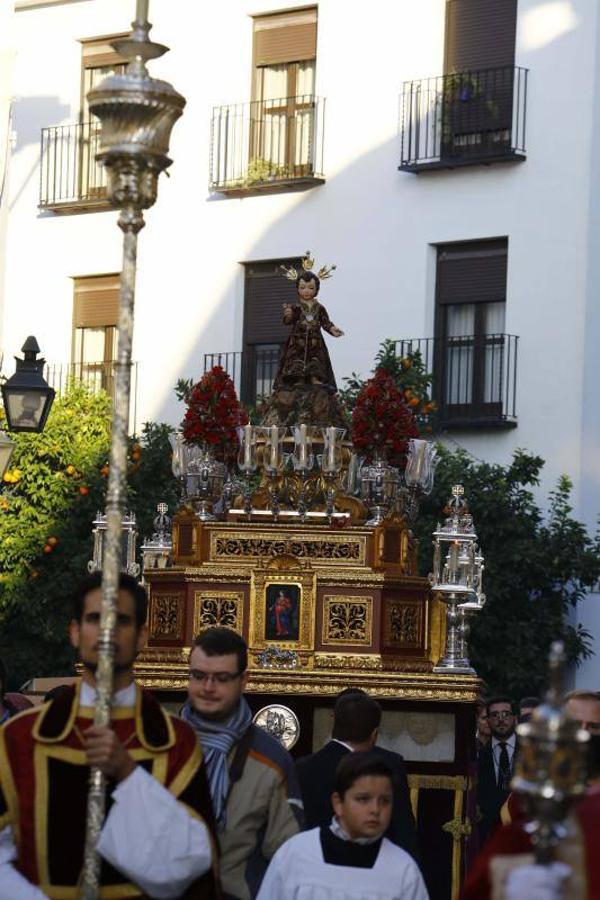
x,y
48,500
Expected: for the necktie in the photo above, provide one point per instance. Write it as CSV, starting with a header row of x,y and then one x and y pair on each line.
x,y
503,768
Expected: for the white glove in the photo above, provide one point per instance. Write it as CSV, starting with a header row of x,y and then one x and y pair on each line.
x,y
537,882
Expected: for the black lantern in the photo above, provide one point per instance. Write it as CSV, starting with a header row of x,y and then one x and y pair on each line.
x,y
27,396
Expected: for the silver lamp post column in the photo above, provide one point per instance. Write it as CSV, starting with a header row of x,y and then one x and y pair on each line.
x,y
137,114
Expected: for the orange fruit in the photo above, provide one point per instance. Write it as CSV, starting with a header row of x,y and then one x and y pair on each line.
x,y
47,548
53,541
70,470
83,490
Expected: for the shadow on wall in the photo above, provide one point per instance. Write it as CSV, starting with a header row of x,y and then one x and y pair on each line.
x,y
29,116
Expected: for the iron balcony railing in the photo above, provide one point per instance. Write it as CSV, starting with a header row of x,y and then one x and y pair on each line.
x,y
69,173
252,371
474,376
96,376
267,143
464,118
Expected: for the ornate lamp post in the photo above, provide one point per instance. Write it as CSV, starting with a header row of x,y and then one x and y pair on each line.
x,y
137,114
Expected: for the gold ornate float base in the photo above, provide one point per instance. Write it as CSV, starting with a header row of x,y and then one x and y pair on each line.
x,y
322,609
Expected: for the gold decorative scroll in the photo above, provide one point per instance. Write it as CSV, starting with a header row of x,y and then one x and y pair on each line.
x,y
403,623
166,616
347,620
224,608
238,547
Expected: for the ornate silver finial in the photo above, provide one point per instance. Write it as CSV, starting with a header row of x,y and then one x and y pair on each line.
x,y
137,113
551,763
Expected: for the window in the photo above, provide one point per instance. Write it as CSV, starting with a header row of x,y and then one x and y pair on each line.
x,y
282,128
471,358
479,87
95,319
98,61
265,292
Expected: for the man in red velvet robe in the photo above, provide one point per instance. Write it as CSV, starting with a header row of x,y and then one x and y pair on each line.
x,y
157,837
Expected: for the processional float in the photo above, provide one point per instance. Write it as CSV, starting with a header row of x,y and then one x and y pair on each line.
x,y
303,547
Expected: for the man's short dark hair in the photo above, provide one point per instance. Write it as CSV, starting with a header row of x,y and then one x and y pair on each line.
x,y
499,699
529,703
220,641
355,717
353,766
126,583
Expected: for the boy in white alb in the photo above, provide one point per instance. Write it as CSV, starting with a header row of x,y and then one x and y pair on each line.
x,y
349,859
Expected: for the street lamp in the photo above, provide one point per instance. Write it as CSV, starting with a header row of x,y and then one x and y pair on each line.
x,y
27,396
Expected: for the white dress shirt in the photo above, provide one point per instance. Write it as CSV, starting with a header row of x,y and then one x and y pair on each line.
x,y
511,743
148,836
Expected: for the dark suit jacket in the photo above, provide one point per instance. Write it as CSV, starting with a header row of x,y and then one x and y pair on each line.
x,y
490,798
316,775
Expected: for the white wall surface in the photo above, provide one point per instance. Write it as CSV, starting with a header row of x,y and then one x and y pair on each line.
x,y
378,224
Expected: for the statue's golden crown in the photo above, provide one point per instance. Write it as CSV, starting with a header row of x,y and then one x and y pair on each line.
x,y
308,264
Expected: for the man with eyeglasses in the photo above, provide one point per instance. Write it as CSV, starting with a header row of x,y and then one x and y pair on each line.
x,y
495,763
253,785
504,867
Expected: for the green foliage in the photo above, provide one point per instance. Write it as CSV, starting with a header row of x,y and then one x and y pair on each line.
x,y
56,483
152,481
45,525
536,568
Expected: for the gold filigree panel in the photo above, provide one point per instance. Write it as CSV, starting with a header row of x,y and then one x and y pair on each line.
x,y
238,547
166,616
225,608
347,620
403,623
282,609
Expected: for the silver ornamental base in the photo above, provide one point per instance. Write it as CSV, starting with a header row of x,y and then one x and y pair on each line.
x,y
454,661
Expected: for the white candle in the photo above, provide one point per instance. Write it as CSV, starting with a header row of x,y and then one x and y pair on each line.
x,y
420,448
303,457
331,447
274,436
248,446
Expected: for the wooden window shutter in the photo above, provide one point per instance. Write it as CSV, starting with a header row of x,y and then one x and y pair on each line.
x,y
266,290
96,301
97,52
285,37
480,34
472,272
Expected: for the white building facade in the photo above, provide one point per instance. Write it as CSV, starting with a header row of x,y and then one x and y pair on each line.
x,y
445,154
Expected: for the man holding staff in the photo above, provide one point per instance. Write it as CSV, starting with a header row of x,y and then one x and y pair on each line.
x,y
157,838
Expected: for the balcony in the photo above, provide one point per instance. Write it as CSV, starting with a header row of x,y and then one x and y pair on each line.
x,y
70,177
267,145
474,378
252,370
464,119
96,376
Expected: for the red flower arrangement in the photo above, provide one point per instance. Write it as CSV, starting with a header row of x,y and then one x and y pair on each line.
x,y
213,414
382,423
